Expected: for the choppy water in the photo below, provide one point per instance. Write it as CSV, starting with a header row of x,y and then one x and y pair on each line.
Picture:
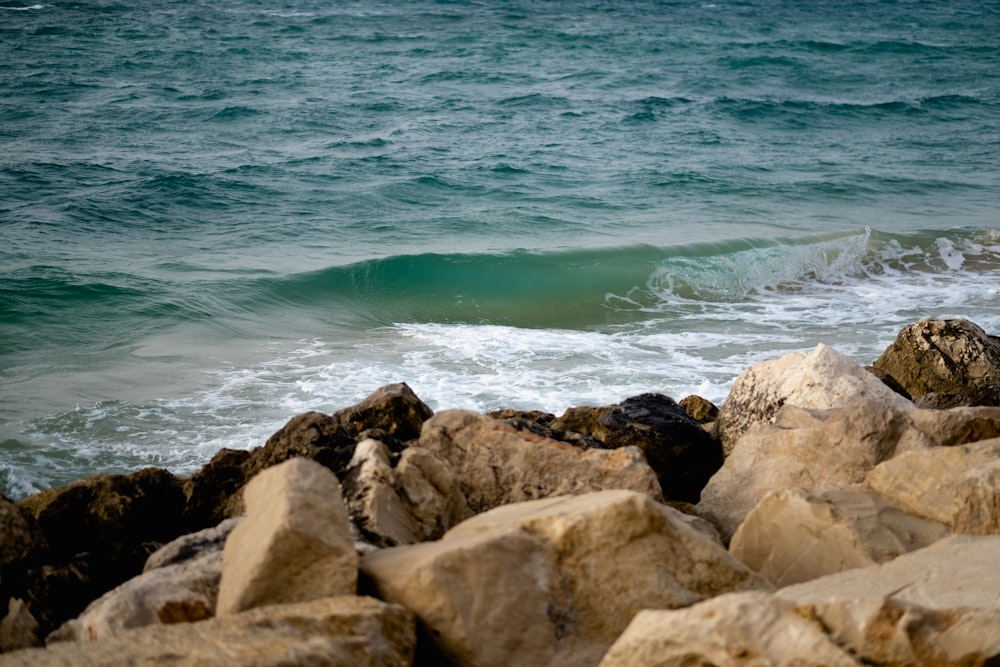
x,y
215,215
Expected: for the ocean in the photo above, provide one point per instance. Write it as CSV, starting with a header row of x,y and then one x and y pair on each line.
x,y
215,215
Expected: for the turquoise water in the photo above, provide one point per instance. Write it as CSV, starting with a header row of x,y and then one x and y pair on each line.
x,y
216,215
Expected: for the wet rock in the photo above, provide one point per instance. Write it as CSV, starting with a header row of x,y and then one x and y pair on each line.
x,y
295,543
700,409
942,356
497,464
681,453
393,408
553,581
976,396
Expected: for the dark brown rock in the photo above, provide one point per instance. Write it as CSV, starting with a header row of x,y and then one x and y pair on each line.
x,y
987,395
683,455
536,416
104,513
393,408
99,532
700,409
20,541
943,356
212,491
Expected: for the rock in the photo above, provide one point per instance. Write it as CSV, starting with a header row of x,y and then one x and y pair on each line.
x,y
182,592
736,629
936,606
310,435
417,500
103,513
99,532
821,379
543,430
794,535
393,408
678,449
537,416
943,356
976,396
213,492
18,629
807,449
948,428
295,543
700,409
20,543
889,381
496,464
351,630
956,486
193,545
553,581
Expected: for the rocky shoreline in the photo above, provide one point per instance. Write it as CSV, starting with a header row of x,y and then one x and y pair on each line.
x,y
825,514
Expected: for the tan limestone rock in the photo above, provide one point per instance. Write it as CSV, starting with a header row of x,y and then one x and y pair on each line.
x,y
417,500
804,448
957,486
355,631
18,628
553,581
295,543
936,606
794,535
498,464
734,630
819,379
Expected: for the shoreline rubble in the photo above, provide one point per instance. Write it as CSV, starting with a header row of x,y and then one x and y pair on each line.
x,y
763,531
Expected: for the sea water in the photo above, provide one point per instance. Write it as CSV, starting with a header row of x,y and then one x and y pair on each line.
x,y
214,215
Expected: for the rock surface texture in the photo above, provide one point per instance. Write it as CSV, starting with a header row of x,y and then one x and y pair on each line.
x,y
553,581
821,379
942,356
295,543
498,464
794,535
353,631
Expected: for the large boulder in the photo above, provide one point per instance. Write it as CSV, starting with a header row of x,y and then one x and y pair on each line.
x,y
820,379
394,409
498,464
295,543
936,606
678,449
942,356
352,631
403,499
807,449
732,630
99,532
553,581
795,535
956,486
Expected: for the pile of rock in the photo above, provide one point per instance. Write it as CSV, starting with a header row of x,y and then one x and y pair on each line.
x,y
827,514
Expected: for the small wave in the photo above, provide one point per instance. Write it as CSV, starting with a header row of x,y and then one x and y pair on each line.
x,y
24,9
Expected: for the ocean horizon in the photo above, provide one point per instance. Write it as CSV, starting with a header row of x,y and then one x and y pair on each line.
x,y
218,215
